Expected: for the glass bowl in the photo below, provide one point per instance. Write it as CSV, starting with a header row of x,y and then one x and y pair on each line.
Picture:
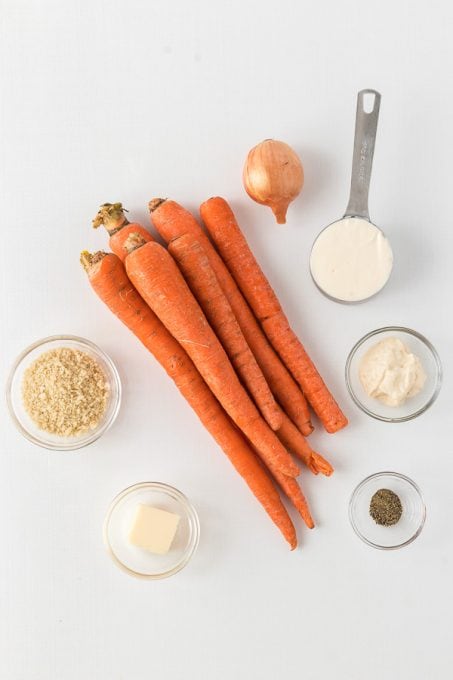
x,y
26,425
138,561
413,406
387,537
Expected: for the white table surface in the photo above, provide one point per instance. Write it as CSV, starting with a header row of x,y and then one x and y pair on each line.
x,y
108,101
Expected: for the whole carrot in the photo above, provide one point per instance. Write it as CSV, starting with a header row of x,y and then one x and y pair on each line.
x,y
158,280
112,216
227,236
172,221
198,273
122,241
109,281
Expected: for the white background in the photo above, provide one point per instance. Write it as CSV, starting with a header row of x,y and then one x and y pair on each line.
x,y
112,100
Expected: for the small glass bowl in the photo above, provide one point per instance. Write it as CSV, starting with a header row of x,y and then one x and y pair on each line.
x,y
138,561
413,406
412,519
26,425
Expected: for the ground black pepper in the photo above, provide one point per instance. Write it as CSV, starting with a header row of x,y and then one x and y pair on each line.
x,y
385,507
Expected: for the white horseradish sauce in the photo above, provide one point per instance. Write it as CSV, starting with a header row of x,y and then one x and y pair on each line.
x,y
351,260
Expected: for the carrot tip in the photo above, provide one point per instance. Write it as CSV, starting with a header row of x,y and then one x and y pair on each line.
x,y
335,425
313,467
306,516
154,203
321,464
307,429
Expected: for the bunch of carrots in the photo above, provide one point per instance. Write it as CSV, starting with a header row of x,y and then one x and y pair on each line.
x,y
205,310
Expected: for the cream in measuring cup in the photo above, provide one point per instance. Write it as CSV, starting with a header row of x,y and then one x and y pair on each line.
x,y
351,260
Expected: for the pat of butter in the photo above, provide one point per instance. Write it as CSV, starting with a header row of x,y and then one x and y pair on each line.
x,y
153,529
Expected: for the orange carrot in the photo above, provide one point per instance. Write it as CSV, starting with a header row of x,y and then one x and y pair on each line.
x,y
202,281
158,280
109,280
172,221
227,236
112,217
295,442
293,491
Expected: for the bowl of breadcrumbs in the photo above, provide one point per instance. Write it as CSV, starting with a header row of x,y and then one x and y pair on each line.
x,y
63,392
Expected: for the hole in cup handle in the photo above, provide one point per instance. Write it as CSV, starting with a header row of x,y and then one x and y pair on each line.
x,y
369,99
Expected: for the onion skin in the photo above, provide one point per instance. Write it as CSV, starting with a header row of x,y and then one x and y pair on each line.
x,y
273,176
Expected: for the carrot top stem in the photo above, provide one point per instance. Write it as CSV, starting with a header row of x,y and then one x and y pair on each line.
x,y
89,260
154,203
111,216
133,241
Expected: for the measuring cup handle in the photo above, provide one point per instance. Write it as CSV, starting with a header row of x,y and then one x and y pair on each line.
x,y
362,160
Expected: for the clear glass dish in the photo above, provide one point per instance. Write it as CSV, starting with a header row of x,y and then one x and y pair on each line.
x,y
414,406
387,537
22,420
119,520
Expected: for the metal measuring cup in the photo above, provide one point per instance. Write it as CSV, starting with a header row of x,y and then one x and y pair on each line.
x,y
328,267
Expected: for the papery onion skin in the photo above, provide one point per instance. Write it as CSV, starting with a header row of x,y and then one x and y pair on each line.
x,y
273,176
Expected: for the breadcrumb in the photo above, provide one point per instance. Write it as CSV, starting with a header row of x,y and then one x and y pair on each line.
x,y
65,392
